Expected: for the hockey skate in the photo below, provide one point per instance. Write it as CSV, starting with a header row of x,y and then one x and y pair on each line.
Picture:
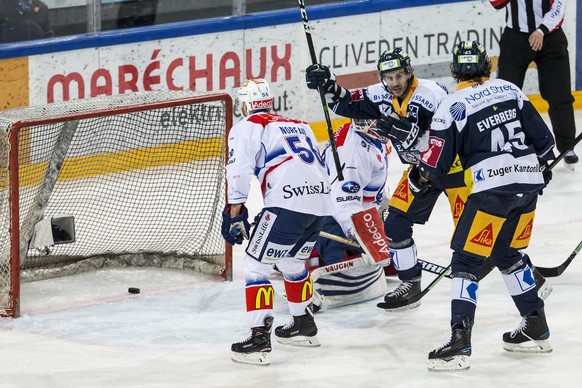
x,y
255,348
405,290
543,288
570,159
454,355
300,331
530,336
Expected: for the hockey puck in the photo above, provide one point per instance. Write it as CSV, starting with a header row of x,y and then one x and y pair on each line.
x,y
133,290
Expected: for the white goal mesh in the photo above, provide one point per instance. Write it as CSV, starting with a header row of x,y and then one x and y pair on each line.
x,y
140,176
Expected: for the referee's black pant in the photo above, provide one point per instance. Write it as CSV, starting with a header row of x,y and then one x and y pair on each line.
x,y
553,77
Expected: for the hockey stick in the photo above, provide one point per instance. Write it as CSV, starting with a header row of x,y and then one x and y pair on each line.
x,y
417,297
557,271
426,265
338,166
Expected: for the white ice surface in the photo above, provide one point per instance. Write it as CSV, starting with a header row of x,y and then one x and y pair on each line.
x,y
87,331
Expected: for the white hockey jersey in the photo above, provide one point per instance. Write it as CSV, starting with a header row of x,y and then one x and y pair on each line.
x,y
283,154
365,172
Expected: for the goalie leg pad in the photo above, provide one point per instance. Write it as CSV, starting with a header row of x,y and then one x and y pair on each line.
x,y
368,228
352,285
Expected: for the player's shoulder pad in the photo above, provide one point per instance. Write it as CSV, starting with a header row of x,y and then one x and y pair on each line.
x,y
428,94
341,135
377,93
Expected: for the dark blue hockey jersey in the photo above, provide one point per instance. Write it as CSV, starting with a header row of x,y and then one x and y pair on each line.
x,y
419,105
497,134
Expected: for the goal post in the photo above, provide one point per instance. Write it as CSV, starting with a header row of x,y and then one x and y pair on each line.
x,y
128,180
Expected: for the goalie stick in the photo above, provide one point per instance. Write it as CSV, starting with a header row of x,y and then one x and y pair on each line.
x,y
557,271
307,29
426,265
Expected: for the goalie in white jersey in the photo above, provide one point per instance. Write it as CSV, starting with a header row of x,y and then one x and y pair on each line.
x,y
343,277
283,154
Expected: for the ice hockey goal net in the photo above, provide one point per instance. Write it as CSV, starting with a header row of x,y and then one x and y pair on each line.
x,y
140,176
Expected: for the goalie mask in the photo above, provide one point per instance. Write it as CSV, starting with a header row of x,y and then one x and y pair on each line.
x,y
470,61
254,94
367,127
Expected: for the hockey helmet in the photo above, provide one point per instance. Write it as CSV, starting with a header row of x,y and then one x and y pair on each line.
x,y
255,94
391,60
367,127
470,60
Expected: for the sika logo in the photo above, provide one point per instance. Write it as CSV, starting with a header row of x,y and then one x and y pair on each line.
x,y
401,191
459,205
526,232
484,237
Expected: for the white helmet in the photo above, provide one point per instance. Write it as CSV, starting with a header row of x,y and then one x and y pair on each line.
x,y
367,127
255,94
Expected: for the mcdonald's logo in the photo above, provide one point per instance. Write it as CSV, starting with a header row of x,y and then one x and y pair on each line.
x,y
264,298
307,290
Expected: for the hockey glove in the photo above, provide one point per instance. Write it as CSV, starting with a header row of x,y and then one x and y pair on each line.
x,y
547,174
235,229
399,129
417,183
320,77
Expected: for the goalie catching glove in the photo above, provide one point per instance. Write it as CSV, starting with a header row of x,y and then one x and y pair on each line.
x,y
235,229
320,77
369,231
399,129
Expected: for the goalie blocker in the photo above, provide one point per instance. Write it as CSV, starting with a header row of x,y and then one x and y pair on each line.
x,y
368,229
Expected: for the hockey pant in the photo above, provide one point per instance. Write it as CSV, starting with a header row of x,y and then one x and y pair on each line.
x,y
497,226
284,238
406,210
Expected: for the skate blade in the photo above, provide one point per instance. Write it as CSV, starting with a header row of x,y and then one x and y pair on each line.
x,y
542,346
452,364
256,358
570,166
387,307
545,291
299,340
